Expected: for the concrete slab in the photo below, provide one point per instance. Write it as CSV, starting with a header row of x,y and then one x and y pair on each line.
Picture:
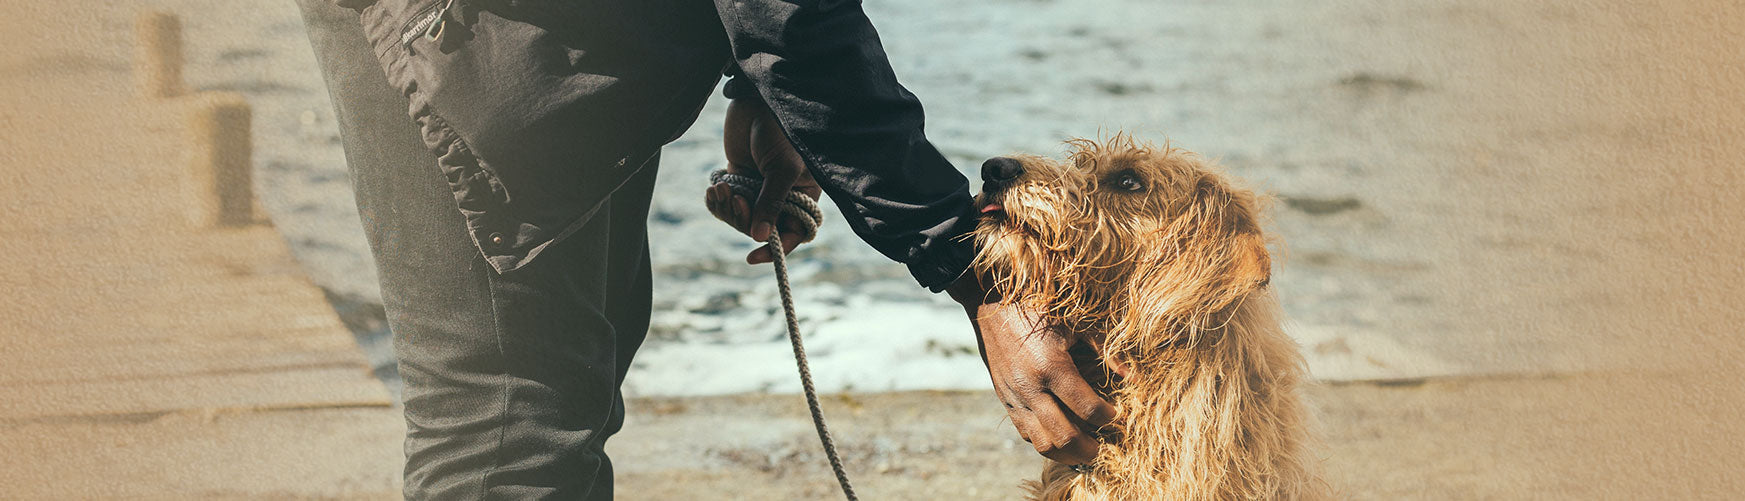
x,y
143,355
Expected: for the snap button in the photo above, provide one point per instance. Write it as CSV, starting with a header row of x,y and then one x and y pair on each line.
x,y
623,161
496,239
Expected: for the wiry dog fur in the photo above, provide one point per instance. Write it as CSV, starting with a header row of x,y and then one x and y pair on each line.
x,y
1171,278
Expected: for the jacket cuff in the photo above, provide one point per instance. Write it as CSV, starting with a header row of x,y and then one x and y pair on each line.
x,y
946,261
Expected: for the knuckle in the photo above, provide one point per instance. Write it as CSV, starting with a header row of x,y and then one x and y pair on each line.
x,y
1100,418
1091,407
1099,414
1047,376
1055,445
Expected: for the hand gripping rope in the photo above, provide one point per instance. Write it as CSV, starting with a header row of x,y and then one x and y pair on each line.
x,y
805,217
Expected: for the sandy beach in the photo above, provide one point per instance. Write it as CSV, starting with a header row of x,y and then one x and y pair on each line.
x,y
1442,439
1509,234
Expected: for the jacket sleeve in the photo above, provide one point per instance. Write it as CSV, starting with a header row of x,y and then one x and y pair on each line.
x,y
819,66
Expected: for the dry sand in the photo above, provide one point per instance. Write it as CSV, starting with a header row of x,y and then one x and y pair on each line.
x,y
1564,437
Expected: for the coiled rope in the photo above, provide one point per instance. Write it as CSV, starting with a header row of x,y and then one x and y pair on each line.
x,y
804,215
801,210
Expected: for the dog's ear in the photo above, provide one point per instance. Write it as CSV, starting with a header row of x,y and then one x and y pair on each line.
x,y
1232,238
1219,254
1250,264
1210,256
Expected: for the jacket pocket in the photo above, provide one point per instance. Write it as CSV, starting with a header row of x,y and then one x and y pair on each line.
x,y
508,103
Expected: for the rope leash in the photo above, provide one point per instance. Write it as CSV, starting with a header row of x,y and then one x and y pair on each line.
x,y
804,213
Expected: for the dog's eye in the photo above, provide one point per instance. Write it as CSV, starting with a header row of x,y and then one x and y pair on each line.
x,y
1129,181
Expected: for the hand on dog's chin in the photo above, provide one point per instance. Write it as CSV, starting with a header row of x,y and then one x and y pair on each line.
x,y
969,292
1033,373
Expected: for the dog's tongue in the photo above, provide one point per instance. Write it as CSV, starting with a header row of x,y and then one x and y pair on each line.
x,y
990,208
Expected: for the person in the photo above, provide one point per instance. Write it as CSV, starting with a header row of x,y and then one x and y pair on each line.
x,y
516,275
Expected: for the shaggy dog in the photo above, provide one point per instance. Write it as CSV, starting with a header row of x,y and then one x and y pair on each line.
x,y
1160,265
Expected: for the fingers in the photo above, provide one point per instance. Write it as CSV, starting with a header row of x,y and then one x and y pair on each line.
x,y
715,200
742,209
727,207
1118,366
1083,401
1039,420
1062,440
1033,373
736,133
732,209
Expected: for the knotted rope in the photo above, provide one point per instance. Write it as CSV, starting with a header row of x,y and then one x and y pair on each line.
x,y
801,210
805,217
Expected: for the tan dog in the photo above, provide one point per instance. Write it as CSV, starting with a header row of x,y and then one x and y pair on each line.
x,y
1164,260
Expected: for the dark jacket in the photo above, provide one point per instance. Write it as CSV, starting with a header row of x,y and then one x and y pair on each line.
x,y
539,109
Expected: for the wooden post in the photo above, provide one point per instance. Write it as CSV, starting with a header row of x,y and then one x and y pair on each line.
x,y
221,175
158,65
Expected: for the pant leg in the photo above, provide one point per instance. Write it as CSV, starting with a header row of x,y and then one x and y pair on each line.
x,y
628,299
511,380
630,281
555,370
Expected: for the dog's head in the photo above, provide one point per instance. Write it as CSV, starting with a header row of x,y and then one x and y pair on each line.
x,y
1121,237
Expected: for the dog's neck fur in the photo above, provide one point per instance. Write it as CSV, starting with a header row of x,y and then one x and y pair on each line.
x,y
1217,417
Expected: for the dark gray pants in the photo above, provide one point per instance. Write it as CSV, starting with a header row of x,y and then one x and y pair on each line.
x,y
512,380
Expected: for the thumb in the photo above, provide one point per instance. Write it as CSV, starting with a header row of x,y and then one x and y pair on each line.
x,y
776,184
1113,361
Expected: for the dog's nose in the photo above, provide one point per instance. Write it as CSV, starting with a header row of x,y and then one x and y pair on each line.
x,y
1001,170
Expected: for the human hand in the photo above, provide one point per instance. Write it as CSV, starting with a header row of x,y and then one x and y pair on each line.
x,y
756,146
1034,375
